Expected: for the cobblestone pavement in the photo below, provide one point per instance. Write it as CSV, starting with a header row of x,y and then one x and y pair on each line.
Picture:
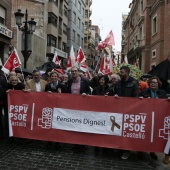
x,y
23,154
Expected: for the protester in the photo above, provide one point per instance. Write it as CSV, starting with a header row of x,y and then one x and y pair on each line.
x,y
54,85
103,89
142,86
126,87
114,79
77,84
13,84
153,91
36,84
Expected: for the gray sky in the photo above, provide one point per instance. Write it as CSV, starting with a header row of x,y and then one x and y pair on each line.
x,y
107,14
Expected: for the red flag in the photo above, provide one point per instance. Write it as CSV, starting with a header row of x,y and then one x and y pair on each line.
x,y
102,66
71,59
55,59
88,75
109,40
60,73
81,57
12,62
83,66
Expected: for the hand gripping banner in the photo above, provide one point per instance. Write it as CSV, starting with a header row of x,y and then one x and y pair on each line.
x,y
105,121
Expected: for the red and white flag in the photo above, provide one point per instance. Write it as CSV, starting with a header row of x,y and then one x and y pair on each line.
x,y
81,57
102,66
113,62
12,62
88,75
83,66
137,63
71,59
56,59
125,60
109,40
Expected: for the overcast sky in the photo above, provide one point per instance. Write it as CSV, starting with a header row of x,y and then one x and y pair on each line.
x,y
107,14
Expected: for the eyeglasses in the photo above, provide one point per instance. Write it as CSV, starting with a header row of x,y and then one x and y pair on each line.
x,y
74,71
153,82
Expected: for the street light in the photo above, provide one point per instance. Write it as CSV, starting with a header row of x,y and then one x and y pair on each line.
x,y
27,29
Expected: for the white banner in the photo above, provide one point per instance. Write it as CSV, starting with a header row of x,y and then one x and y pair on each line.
x,y
87,121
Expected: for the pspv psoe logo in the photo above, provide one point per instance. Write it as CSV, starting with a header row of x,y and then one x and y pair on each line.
x,y
165,132
46,120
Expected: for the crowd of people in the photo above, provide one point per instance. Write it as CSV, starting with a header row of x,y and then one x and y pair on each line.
x,y
75,82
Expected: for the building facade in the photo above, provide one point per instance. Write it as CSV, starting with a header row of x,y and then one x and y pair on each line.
x,y
6,33
76,23
146,33
51,30
89,39
57,29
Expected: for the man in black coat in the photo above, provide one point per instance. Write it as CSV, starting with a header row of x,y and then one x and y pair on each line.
x,y
77,84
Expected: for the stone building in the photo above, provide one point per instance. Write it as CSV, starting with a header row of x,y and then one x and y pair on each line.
x,y
6,33
146,33
76,23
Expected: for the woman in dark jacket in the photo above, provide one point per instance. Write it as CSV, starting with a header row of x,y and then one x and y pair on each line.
x,y
103,88
15,84
153,91
54,85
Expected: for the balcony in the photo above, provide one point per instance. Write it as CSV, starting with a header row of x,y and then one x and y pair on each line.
x,y
124,43
137,45
140,19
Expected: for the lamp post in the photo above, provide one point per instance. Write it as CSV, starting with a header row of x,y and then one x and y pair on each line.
x,y
27,29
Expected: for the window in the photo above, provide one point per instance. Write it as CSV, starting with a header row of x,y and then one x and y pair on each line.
x,y
65,29
74,33
154,25
83,12
78,39
79,22
82,42
154,53
79,6
2,15
74,17
86,27
64,47
141,6
65,10
82,26
52,19
153,65
86,13
55,1
51,40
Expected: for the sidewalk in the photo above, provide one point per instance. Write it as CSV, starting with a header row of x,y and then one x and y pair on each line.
x,y
25,154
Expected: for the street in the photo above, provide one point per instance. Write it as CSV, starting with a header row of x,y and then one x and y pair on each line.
x,y
25,154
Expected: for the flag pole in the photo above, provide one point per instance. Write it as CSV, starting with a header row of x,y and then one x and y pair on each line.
x,y
98,61
22,74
